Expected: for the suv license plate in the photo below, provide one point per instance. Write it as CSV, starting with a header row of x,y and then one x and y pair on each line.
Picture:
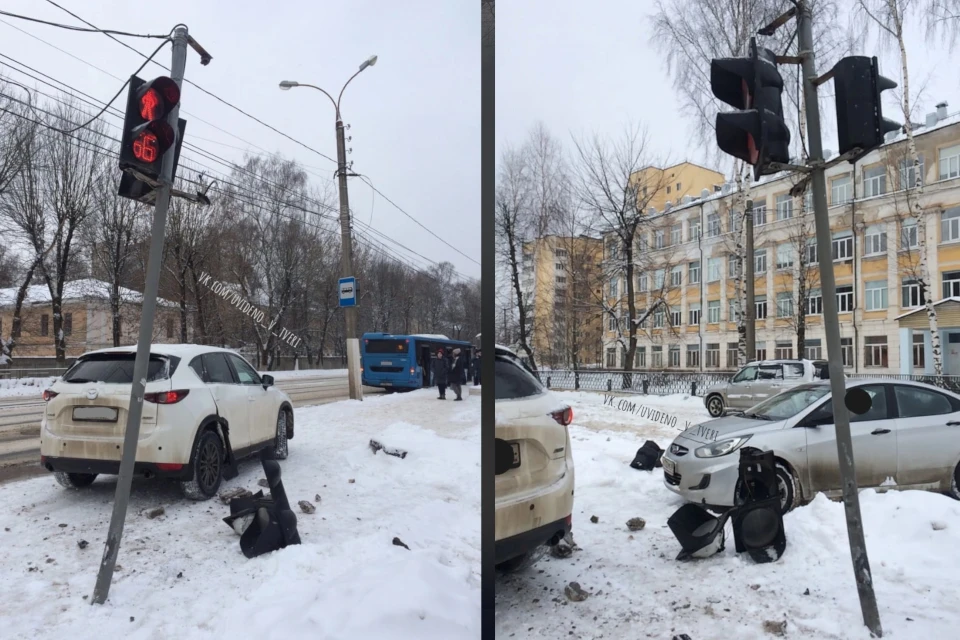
x,y
669,466
95,414
516,454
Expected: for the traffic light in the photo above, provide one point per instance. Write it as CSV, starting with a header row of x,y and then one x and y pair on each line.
x,y
757,133
147,135
860,121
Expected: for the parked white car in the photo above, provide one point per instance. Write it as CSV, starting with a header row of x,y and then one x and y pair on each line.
x,y
758,381
909,439
535,479
204,408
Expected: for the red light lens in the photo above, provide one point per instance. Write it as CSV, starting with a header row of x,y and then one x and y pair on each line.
x,y
166,397
146,147
151,105
49,395
563,416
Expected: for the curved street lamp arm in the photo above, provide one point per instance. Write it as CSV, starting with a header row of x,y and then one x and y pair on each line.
x,y
313,86
344,89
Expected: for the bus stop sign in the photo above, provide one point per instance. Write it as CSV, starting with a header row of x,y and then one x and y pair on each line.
x,y
348,292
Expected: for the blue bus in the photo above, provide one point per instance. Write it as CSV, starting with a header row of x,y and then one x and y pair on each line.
x,y
403,362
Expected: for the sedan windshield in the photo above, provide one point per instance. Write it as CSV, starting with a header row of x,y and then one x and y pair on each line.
x,y
787,404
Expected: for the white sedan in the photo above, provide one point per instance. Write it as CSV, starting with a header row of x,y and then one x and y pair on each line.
x,y
204,408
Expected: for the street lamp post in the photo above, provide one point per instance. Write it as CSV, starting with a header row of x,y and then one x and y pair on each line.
x,y
346,258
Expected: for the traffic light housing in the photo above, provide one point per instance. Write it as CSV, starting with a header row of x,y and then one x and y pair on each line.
x,y
860,122
147,135
757,132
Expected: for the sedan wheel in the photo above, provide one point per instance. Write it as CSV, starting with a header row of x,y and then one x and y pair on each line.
x,y
715,406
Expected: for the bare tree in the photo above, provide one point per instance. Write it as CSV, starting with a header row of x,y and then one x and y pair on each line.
x,y
616,193
887,18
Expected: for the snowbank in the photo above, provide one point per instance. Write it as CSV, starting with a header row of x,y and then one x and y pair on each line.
x,y
183,575
29,387
640,590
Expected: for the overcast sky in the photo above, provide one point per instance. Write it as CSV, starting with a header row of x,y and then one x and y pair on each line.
x,y
590,67
414,116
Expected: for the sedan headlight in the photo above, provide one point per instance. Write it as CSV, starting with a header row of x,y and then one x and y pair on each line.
x,y
721,448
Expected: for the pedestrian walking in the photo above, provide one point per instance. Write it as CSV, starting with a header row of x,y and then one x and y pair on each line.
x,y
458,372
476,368
441,373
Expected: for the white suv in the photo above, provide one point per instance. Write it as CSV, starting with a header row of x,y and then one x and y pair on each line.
x,y
204,408
534,466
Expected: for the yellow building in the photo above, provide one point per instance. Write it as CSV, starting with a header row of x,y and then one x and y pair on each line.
x,y
659,186
688,265
560,280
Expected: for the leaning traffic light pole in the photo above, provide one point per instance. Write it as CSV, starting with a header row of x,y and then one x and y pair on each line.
x,y
147,145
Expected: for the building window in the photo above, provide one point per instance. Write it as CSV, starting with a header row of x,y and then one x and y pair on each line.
x,y
693,355
814,303
676,276
909,238
67,324
808,201
612,323
640,358
908,172
713,225
911,295
761,353
874,181
560,253
785,256
950,225
841,190
951,284
759,261
875,240
643,283
846,351
695,229
784,305
811,248
676,234
656,356
612,251
875,351
676,317
713,354
784,351
612,358
694,272
732,265
674,356
678,187
44,325
876,294
733,355
658,277
759,215
784,207
732,315
842,245
950,162
694,314
668,190
614,287
713,269
561,281
560,266
658,239
845,299
658,317
640,314
919,351
760,307
713,311
812,349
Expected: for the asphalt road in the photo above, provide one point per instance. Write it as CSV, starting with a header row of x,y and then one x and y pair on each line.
x,y
20,420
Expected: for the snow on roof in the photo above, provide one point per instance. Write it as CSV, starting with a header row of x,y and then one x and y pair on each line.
x,y
919,309
179,350
432,336
74,290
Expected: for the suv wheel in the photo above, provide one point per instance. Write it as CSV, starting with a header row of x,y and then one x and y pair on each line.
x,y
715,406
281,447
74,480
207,468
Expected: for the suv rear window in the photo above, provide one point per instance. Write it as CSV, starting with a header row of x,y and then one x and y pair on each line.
x,y
511,380
117,368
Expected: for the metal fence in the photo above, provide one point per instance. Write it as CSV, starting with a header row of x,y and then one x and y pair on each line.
x,y
14,374
658,383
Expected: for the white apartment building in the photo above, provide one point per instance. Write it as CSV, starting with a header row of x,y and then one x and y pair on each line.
x,y
688,267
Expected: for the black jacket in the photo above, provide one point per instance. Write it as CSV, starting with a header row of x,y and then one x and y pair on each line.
x,y
441,370
459,371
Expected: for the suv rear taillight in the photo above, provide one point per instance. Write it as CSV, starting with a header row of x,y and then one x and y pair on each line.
x,y
49,395
166,397
563,416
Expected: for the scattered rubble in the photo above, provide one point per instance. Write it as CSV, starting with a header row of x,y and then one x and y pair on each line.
x,y
774,627
398,542
574,593
635,524
594,519
155,513
236,492
307,507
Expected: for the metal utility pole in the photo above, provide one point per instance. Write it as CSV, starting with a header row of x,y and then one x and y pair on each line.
x,y
346,266
750,320
132,431
851,500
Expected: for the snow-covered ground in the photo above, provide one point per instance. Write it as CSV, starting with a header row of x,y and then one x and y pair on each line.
x,y
639,590
24,387
183,574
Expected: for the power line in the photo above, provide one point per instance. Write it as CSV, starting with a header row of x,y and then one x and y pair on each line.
x,y
75,28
